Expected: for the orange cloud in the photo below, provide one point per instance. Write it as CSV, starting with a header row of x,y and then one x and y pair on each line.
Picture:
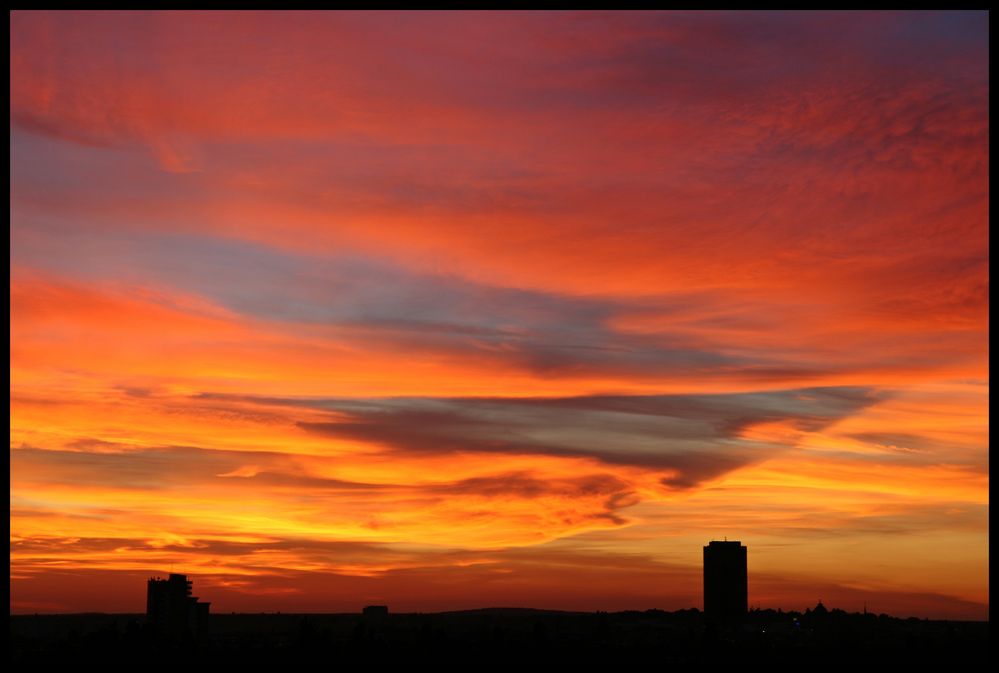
x,y
444,310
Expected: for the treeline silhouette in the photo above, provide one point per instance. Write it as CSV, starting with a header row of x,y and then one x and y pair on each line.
x,y
479,637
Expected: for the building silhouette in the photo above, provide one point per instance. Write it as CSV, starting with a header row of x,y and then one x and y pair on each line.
x,y
726,596
375,611
172,612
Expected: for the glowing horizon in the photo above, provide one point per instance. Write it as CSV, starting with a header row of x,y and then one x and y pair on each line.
x,y
456,310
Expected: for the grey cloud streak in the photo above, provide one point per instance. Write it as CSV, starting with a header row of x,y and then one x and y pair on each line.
x,y
698,437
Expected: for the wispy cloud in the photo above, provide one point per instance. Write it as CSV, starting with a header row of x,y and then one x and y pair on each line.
x,y
434,293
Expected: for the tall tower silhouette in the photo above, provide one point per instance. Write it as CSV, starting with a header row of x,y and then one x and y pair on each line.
x,y
172,612
726,595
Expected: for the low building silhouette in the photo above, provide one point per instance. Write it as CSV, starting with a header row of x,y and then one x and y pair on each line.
x,y
172,612
375,611
726,595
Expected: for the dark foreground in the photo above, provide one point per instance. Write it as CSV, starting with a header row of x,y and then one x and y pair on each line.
x,y
484,637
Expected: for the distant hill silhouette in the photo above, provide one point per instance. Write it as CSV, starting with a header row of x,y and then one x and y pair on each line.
x,y
510,611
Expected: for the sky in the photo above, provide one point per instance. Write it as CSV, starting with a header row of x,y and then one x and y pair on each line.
x,y
459,310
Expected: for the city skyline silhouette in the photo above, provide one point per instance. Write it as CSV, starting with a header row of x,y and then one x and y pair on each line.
x,y
177,627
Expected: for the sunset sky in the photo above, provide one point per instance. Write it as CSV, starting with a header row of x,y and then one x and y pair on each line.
x,y
457,310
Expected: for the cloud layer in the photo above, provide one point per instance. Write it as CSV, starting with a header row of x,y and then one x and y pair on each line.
x,y
431,295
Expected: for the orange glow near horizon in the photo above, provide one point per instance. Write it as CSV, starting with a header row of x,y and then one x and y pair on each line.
x,y
455,310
